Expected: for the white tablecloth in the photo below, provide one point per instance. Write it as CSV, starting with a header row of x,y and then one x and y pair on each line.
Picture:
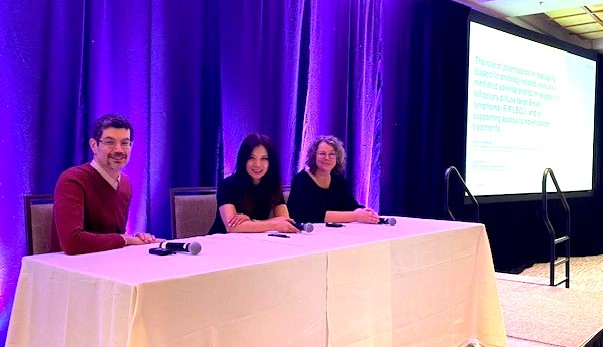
x,y
418,283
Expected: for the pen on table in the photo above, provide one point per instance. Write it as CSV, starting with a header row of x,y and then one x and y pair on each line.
x,y
279,235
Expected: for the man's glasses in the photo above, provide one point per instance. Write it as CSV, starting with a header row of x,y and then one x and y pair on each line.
x,y
126,144
323,155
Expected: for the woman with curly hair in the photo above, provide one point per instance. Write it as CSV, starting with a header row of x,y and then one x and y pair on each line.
x,y
320,193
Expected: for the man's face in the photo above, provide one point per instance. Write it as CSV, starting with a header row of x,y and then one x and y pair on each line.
x,y
112,152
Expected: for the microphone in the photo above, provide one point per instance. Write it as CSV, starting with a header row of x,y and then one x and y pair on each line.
x,y
387,220
306,227
192,247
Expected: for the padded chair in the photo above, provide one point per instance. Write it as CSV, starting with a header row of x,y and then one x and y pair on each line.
x,y
193,211
38,221
286,192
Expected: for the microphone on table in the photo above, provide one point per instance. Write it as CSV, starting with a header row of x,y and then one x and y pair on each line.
x,y
307,227
191,247
387,220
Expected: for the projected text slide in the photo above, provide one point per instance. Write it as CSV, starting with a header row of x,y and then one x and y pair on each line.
x,y
530,106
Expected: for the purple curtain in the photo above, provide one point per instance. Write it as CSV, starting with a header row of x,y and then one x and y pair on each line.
x,y
194,77
424,103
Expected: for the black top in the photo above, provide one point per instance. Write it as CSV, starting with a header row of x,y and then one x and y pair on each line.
x,y
309,203
255,201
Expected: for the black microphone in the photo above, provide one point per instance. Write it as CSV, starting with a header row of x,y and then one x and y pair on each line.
x,y
192,247
387,220
307,227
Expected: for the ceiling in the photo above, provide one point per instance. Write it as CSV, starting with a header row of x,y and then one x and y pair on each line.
x,y
576,21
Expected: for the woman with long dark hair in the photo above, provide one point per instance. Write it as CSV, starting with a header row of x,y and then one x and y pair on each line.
x,y
246,198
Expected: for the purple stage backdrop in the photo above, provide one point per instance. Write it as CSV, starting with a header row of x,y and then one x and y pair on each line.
x,y
194,76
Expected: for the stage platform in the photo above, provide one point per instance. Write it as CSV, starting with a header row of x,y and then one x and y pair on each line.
x,y
536,314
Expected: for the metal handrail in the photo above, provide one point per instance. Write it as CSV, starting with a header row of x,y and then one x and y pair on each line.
x,y
554,240
473,199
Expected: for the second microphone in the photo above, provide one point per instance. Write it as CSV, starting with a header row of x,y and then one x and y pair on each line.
x,y
305,227
191,247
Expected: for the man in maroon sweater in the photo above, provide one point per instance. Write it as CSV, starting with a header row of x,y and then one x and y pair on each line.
x,y
91,201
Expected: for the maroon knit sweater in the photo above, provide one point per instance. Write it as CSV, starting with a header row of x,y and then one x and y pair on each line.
x,y
88,213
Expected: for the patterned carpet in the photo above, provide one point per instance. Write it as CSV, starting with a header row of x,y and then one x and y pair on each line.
x,y
586,273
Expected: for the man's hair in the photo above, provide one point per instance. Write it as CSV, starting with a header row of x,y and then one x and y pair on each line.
x,y
111,121
337,146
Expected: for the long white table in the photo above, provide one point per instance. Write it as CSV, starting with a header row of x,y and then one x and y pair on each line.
x,y
418,283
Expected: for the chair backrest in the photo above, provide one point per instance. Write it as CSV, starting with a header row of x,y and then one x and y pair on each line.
x,y
286,192
38,221
193,211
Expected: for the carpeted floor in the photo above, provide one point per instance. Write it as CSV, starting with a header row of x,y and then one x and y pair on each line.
x,y
539,315
586,273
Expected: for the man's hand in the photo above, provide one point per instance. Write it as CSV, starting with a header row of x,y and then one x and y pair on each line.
x,y
140,239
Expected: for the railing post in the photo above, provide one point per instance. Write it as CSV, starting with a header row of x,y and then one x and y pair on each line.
x,y
473,199
554,240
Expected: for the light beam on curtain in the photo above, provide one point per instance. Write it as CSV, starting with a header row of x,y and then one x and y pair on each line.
x,y
344,87
38,112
